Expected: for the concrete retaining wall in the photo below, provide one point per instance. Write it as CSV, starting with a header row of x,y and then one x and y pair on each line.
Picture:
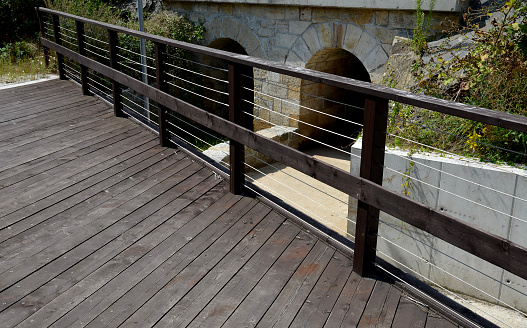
x,y
511,184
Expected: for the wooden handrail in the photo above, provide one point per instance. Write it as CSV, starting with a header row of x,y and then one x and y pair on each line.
x,y
487,246
484,115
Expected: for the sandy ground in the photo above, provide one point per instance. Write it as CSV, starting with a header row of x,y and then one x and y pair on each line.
x,y
324,203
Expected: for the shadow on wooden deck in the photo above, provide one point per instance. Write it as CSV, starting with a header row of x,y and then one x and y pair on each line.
x,y
101,227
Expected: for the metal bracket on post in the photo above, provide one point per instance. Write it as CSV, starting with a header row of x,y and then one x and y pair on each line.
x,y
372,161
81,42
161,56
237,150
116,87
43,35
58,40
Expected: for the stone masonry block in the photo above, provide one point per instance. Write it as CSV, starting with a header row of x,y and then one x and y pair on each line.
x,y
325,35
301,49
216,27
400,19
381,18
352,37
306,14
226,8
365,45
277,54
213,8
235,28
285,40
252,43
312,41
259,53
298,27
226,29
275,13
294,60
245,31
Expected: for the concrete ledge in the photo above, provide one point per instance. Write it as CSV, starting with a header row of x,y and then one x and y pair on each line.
x,y
283,134
436,181
440,6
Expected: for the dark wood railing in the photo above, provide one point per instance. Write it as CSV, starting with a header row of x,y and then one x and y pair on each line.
x,y
366,188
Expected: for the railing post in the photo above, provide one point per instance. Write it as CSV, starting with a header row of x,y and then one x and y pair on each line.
x,y
237,150
43,35
372,161
58,40
81,42
116,87
161,56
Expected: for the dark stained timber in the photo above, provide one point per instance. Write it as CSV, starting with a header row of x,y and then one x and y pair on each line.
x,y
107,228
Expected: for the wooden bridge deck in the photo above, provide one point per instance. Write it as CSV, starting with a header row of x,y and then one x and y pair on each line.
x,y
101,227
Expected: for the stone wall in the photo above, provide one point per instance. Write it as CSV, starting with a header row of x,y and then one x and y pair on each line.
x,y
293,35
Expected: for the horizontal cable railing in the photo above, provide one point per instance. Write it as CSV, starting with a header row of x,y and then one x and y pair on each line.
x,y
212,103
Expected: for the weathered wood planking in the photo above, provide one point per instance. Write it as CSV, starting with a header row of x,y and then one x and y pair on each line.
x,y
114,230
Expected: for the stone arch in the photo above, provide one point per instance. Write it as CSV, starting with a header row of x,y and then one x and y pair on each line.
x,y
332,100
362,43
218,70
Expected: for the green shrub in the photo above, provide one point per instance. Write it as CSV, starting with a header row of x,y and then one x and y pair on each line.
x,y
492,75
18,20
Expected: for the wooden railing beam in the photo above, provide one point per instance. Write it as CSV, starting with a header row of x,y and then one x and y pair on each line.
x,y
43,34
114,63
58,40
371,169
81,43
237,150
161,77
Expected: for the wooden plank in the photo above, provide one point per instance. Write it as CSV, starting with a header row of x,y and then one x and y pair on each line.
x,y
389,309
374,308
409,315
496,250
16,141
34,123
292,297
255,223
262,297
29,104
69,138
435,320
136,288
79,243
187,307
322,298
283,247
73,202
37,187
43,163
351,302
487,116
83,296
108,252
371,169
236,149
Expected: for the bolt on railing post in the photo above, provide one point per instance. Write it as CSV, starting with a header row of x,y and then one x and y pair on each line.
x,y
58,40
43,35
237,150
81,42
116,87
161,77
372,161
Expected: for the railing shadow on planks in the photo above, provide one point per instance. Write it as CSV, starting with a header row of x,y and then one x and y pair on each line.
x,y
367,189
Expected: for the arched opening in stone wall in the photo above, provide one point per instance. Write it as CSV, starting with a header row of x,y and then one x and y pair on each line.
x,y
218,70
332,100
